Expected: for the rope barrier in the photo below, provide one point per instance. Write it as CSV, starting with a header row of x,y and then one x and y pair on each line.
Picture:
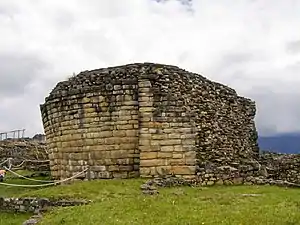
x,y
44,185
9,163
21,164
26,178
26,160
3,162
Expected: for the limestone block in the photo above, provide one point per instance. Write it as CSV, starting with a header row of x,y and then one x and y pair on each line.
x,y
174,162
163,170
144,84
118,154
89,142
142,94
145,99
159,136
98,168
113,168
148,155
178,148
112,141
144,142
188,141
101,154
144,135
125,127
131,103
129,98
111,147
167,148
152,162
108,161
153,130
174,136
98,142
190,162
134,117
148,148
190,154
128,146
120,175
126,167
125,118
129,140
125,161
106,134
131,133
105,175
133,174
164,155
177,156
153,171
146,108
183,170
144,90
145,119
119,133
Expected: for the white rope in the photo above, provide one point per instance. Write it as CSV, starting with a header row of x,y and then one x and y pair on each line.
x,y
9,164
26,178
3,162
37,161
44,185
19,164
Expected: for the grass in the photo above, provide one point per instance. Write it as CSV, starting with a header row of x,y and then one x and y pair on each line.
x,y
7,191
121,202
13,219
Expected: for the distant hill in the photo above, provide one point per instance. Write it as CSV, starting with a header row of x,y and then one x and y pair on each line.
x,y
281,143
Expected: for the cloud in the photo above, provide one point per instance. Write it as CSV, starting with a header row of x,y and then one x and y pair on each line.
x,y
293,47
17,71
252,46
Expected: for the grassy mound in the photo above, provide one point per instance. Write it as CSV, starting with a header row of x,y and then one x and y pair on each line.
x,y
121,202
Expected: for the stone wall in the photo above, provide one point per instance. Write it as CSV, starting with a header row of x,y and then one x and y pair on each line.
x,y
28,154
148,120
35,205
167,135
281,166
268,168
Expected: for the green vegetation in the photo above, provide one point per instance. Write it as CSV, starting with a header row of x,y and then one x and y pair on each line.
x,y
121,202
13,219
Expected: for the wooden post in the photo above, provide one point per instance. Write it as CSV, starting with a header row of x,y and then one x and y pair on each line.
x,y
88,173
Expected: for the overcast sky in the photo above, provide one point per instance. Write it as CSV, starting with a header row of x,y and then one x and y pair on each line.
x,y
251,45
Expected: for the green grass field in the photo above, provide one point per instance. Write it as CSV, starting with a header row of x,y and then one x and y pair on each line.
x,y
121,202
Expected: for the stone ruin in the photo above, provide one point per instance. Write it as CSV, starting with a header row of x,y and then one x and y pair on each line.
x,y
25,153
147,120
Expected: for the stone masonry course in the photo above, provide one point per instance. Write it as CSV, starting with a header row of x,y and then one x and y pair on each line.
x,y
146,119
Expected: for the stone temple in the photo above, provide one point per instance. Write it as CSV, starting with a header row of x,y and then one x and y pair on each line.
x,y
146,119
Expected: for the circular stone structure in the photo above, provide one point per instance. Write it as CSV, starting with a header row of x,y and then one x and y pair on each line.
x,y
145,119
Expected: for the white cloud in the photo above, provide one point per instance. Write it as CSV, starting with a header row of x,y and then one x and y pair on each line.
x,y
252,46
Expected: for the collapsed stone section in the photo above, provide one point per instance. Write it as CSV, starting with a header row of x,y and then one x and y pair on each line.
x,y
146,120
26,154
